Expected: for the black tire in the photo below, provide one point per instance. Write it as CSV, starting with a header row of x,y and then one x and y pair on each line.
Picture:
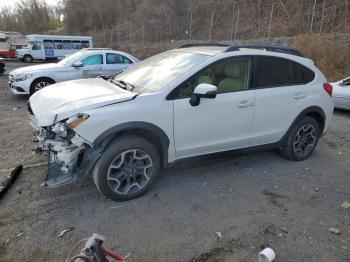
x,y
118,150
28,58
294,148
45,81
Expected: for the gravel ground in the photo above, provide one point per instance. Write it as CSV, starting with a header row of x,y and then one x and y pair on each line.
x,y
254,200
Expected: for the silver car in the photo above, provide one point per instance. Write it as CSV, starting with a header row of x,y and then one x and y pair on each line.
x,y
341,94
87,63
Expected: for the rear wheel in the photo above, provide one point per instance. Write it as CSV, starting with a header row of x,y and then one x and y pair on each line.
x,y
302,140
39,84
127,168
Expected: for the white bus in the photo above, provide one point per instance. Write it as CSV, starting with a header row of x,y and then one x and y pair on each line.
x,y
46,47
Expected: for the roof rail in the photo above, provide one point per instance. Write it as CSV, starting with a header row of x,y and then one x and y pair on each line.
x,y
93,48
270,48
203,44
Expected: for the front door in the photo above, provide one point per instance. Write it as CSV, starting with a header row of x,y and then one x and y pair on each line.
x,y
93,66
218,124
37,51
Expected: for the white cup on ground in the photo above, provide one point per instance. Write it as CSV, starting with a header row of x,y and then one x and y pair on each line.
x,y
267,255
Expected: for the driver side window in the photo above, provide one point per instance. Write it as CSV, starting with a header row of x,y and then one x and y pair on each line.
x,y
93,60
36,46
229,75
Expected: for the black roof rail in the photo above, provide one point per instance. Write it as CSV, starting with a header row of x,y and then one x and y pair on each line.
x,y
203,44
270,48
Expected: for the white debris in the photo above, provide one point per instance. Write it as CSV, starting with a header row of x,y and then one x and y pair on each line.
x,y
334,231
345,205
218,234
65,231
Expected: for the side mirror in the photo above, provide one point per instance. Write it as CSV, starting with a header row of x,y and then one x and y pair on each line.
x,y
202,91
78,64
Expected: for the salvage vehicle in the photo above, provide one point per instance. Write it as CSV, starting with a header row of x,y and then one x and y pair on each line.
x,y
341,94
87,63
190,101
49,47
3,37
11,52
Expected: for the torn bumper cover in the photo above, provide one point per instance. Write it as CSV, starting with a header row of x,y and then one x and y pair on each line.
x,y
70,157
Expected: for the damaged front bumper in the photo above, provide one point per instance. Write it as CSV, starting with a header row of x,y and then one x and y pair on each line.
x,y
70,157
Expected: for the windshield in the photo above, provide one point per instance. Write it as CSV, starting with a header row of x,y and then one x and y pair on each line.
x,y
160,70
70,60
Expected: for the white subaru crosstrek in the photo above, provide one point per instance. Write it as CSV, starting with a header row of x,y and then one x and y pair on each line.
x,y
186,102
87,63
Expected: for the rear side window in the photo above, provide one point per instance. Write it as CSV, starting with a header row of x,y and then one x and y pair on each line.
x,y
274,71
117,59
301,74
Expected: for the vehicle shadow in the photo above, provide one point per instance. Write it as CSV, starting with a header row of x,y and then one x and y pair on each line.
x,y
214,158
342,112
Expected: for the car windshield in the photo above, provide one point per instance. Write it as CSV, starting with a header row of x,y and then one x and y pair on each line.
x,y
70,60
160,70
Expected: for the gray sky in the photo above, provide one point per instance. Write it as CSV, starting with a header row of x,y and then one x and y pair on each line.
x,y
11,3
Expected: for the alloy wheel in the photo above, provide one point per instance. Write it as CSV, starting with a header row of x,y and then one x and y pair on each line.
x,y
41,85
130,171
305,140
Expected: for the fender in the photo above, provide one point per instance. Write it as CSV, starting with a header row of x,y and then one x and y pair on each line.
x,y
306,112
149,131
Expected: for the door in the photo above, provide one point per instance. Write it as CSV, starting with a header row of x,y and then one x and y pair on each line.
x,y
218,124
116,63
281,92
37,51
93,66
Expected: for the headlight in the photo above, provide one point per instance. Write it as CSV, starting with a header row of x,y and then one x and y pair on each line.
x,y
60,129
77,120
19,78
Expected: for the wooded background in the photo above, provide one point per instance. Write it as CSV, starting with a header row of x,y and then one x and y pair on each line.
x,y
158,20
318,28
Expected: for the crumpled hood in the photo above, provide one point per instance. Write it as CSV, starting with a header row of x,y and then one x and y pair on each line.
x,y
63,100
35,69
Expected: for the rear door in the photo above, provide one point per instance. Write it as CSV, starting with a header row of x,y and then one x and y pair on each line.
x,y
281,92
116,63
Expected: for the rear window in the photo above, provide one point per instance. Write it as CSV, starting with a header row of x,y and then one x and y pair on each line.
x,y
274,71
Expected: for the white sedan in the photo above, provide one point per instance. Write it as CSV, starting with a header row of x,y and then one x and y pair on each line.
x,y
87,63
341,94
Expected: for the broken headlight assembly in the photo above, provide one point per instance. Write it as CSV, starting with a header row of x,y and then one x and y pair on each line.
x,y
62,128
77,120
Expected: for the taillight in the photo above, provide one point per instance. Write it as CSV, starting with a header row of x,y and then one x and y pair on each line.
x,y
328,88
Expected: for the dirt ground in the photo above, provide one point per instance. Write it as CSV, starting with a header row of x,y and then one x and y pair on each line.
x,y
254,200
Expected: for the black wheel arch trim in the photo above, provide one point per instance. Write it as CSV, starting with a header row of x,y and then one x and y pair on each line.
x,y
306,112
43,77
91,155
40,77
136,127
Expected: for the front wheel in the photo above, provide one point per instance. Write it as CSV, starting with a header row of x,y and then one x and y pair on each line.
x,y
39,84
127,168
28,58
302,140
